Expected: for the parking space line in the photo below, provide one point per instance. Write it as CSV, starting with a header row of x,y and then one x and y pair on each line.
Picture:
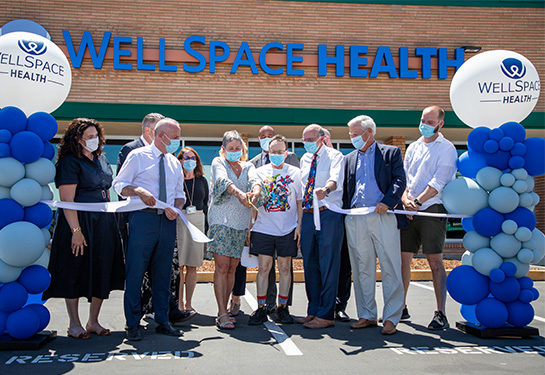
x,y
539,318
287,345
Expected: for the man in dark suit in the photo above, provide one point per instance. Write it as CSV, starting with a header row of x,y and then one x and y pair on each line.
x,y
374,177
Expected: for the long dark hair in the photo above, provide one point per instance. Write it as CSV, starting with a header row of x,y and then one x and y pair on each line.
x,y
198,169
69,144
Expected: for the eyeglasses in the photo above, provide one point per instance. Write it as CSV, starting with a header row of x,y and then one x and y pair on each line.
x,y
190,158
277,152
310,139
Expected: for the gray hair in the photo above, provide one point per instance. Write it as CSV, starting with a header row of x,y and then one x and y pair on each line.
x,y
165,123
365,122
151,120
229,136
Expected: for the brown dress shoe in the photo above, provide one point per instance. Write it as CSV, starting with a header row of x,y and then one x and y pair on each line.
x,y
388,328
306,319
319,323
363,323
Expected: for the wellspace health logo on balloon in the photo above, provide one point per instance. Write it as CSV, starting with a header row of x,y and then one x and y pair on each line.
x,y
35,66
502,85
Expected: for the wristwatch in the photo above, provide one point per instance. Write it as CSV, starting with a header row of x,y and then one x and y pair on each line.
x,y
328,190
417,202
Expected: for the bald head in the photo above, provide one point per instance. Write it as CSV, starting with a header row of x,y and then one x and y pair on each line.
x,y
266,132
164,125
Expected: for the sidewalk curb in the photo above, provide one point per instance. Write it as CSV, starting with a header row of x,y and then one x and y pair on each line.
x,y
299,276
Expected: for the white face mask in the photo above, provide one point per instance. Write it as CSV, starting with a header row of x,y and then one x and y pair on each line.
x,y
91,145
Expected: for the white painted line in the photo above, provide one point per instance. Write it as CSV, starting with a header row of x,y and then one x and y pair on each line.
x,y
287,345
422,285
539,318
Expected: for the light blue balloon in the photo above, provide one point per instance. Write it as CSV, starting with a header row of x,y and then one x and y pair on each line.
x,y
21,243
537,256
509,227
47,236
505,245
42,170
525,256
531,184
26,192
489,178
47,193
464,196
526,200
485,260
530,244
503,199
4,193
473,241
466,258
8,273
522,269
539,240
520,186
523,234
43,260
520,174
507,179
12,171
535,198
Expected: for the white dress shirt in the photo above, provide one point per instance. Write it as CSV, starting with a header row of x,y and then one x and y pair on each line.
x,y
432,164
330,167
141,169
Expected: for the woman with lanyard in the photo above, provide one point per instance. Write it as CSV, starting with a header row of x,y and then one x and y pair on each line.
x,y
191,253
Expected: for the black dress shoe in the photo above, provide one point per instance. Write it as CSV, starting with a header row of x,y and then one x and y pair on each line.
x,y
133,333
166,329
181,316
341,316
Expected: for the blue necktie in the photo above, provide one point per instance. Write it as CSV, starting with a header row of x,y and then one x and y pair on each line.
x,y
162,180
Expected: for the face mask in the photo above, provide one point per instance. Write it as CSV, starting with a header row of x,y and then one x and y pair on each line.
x,y
311,147
276,160
426,130
173,146
358,142
233,156
189,165
264,143
91,145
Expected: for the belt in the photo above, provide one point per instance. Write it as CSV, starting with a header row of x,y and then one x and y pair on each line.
x,y
310,210
157,211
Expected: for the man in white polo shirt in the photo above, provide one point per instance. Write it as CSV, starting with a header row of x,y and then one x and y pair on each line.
x,y
430,164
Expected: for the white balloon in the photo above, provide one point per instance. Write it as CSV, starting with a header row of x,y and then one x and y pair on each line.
x,y
489,178
42,170
26,192
12,171
21,243
43,260
493,88
485,260
9,273
473,241
40,77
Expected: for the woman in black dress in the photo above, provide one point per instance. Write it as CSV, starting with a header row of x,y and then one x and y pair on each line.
x,y
86,256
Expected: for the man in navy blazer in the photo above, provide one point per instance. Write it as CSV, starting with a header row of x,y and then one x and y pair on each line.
x,y
374,177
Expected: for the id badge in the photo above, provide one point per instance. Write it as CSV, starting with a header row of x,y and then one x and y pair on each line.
x,y
190,210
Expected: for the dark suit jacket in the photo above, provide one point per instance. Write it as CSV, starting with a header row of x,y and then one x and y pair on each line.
x,y
389,173
291,159
126,149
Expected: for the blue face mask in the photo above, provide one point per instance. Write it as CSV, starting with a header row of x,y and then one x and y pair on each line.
x,y
173,146
358,142
233,156
189,165
276,160
264,143
311,147
426,130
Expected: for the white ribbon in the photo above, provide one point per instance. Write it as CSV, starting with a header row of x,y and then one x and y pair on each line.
x,y
131,204
368,210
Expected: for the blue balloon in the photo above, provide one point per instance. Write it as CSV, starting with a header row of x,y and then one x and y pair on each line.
x,y
497,276
467,224
477,138
519,149
487,222
467,286
12,119
496,134
49,151
470,162
5,136
506,143
509,269
491,313
514,130
43,124
516,162
520,313
40,214
35,279
35,299
26,147
10,212
526,295
491,146
13,296
5,150
468,312
535,292
526,282
26,26
23,323
535,156
499,160
43,314
3,318
523,217
506,291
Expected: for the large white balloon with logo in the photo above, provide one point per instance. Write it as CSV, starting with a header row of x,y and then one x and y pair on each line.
x,y
493,88
34,73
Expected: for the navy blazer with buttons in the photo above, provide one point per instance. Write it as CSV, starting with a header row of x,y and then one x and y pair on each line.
x,y
389,174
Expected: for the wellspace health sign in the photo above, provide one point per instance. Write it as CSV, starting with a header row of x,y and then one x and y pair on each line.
x,y
273,58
